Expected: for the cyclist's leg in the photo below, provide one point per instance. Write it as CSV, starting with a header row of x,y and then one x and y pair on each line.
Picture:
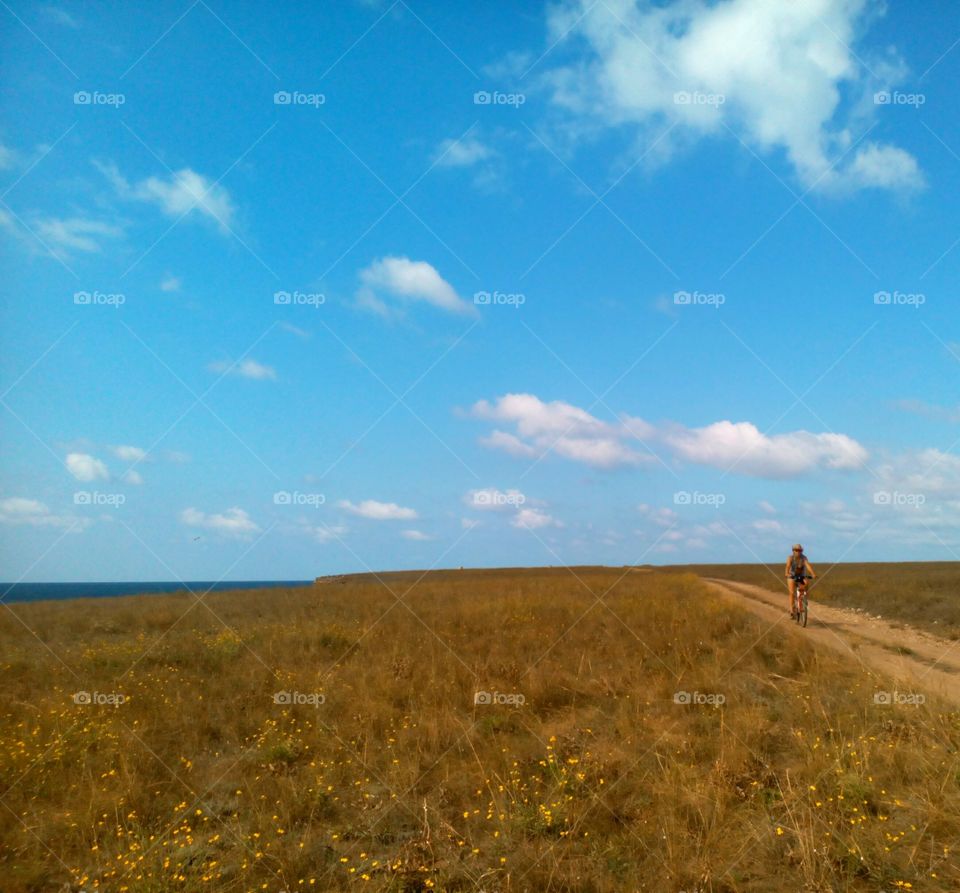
x,y
791,586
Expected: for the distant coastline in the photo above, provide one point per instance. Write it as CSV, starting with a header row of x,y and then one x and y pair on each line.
x,y
34,592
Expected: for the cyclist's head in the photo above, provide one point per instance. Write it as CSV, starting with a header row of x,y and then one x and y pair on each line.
x,y
797,547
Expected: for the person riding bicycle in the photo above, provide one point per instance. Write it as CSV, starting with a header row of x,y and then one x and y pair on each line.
x,y
798,569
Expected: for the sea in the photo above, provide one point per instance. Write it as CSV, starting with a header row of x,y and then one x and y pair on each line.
x,y
33,592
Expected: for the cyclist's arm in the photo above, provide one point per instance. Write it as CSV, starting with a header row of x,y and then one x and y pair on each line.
x,y
786,569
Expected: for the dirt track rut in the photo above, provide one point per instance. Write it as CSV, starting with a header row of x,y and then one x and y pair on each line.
x,y
920,661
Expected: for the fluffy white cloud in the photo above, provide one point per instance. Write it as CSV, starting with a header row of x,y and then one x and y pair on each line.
x,y
129,453
378,511
573,433
462,153
245,369
75,233
885,167
407,280
416,535
170,283
19,510
558,427
743,446
132,477
182,192
234,522
509,443
85,467
534,519
780,73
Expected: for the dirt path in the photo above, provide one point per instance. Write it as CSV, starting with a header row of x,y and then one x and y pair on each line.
x,y
917,661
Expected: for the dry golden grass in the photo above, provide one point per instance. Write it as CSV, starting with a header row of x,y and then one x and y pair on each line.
x,y
925,594
599,781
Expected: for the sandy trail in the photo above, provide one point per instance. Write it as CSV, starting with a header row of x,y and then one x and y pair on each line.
x,y
917,661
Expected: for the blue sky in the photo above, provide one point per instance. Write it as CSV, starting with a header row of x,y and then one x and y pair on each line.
x,y
399,285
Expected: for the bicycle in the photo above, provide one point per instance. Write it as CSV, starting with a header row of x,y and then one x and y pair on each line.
x,y
798,610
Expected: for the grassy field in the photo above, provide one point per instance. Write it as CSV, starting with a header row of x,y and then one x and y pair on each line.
x,y
603,731
922,594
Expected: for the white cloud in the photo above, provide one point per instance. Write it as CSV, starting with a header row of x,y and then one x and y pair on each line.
x,y
767,507
884,167
469,523
170,283
378,511
59,16
129,453
508,443
234,522
408,280
245,369
534,519
16,510
294,330
417,535
767,525
325,533
744,446
919,407
132,477
575,434
780,74
931,472
85,467
558,427
75,233
663,517
7,157
462,153
183,192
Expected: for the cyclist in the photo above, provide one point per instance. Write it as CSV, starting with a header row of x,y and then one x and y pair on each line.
x,y
797,566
